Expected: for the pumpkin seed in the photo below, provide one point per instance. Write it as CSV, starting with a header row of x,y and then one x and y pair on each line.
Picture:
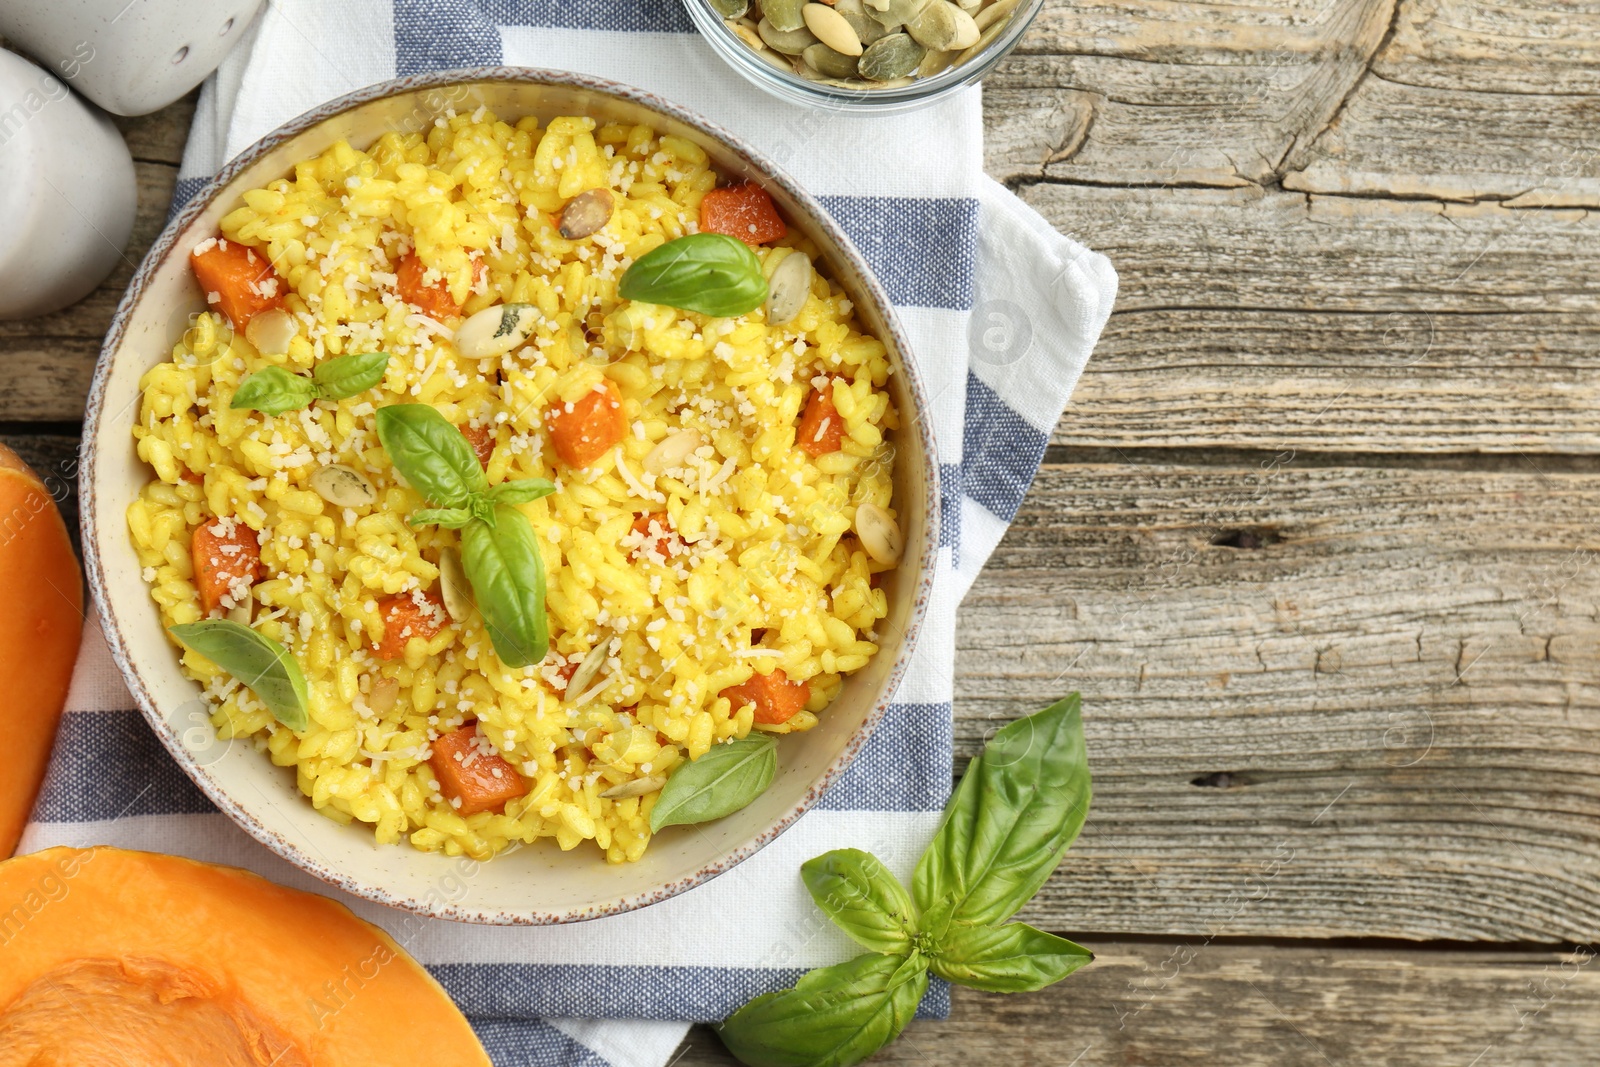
x,y
586,213
385,691
343,487
745,30
672,451
271,331
984,41
829,62
776,59
783,14
790,283
880,535
636,788
894,56
832,29
867,28
970,6
584,676
934,62
244,611
995,12
944,26
730,9
896,13
494,331
789,42
454,588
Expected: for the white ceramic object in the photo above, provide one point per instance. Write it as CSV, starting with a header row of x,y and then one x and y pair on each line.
x,y
538,884
69,198
129,56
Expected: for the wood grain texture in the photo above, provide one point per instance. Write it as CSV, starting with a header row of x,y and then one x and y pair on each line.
x,y
1254,1006
1324,698
1152,92
1263,319
1471,102
1383,720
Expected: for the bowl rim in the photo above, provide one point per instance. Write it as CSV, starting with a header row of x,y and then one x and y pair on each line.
x,y
89,523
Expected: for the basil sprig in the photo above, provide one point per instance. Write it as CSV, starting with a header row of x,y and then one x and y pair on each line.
x,y
1018,808
711,273
499,551
273,390
720,782
255,659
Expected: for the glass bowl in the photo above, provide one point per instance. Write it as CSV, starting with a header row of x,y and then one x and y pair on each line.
x,y
789,86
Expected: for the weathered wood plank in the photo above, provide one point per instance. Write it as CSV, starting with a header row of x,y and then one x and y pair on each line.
x,y
1363,381
159,137
1256,249
1159,93
1392,139
1252,1006
1249,318
1544,47
1382,722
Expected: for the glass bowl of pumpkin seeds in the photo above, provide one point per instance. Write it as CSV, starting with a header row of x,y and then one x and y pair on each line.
x,y
867,55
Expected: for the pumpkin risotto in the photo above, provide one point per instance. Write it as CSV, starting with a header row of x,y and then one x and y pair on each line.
x,y
718,487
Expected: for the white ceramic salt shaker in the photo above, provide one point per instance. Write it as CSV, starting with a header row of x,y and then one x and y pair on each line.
x,y
129,56
67,193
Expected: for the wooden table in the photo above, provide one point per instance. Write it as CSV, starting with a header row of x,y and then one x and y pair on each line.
x,y
1314,539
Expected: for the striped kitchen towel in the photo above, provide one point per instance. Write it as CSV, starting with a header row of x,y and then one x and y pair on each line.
x,y
1002,312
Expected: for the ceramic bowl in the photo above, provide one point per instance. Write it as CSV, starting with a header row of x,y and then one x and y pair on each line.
x,y
538,884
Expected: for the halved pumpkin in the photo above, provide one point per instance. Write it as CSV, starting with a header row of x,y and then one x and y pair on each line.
x,y
131,958
40,627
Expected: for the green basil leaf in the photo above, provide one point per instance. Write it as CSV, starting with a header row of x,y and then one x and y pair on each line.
x,y
722,781
507,577
711,273
449,518
1017,809
345,376
863,898
273,391
256,660
1014,958
833,1017
431,454
521,491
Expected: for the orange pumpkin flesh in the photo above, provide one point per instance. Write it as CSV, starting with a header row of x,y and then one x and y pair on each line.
x,y
39,633
138,959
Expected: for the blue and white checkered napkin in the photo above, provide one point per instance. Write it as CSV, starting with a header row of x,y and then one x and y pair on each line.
x,y
1002,313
